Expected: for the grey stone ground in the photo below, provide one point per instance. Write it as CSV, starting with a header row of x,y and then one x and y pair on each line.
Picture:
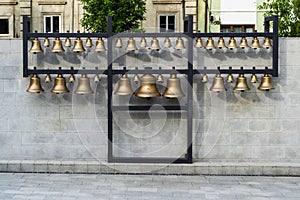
x,y
92,186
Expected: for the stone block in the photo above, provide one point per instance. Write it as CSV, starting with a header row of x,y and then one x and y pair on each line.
x,y
41,166
14,166
27,166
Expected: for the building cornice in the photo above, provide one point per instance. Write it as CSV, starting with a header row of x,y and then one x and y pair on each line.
x,y
52,2
8,2
166,1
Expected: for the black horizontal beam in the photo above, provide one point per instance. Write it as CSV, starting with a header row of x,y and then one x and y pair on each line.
x,y
148,107
66,71
71,35
254,34
148,160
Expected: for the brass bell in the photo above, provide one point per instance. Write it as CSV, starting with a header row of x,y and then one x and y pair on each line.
x,y
160,78
221,43
173,89
136,78
167,43
230,78
48,78
35,85
210,44
204,78
100,45
198,43
78,47
36,46
148,87
60,86
119,43
253,78
71,78
255,43
84,86
57,46
96,78
218,84
266,83
124,87
232,43
267,43
46,42
89,42
143,42
131,45
241,83
179,44
68,42
154,45
244,43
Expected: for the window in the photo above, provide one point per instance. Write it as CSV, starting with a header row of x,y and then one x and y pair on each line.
x,y
4,26
51,23
237,28
166,23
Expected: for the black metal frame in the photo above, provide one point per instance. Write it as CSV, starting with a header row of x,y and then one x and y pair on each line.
x,y
189,71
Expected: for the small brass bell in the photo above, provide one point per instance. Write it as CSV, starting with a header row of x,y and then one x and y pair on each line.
x,y
253,78
154,45
119,43
218,84
124,87
71,78
167,43
131,45
78,47
68,42
47,78
173,89
148,87
89,42
179,44
160,78
96,78
244,43
100,45
198,43
267,43
210,44
36,46
204,78
84,86
57,46
232,43
143,42
230,78
241,83
255,43
46,42
35,85
60,86
136,78
266,83
221,43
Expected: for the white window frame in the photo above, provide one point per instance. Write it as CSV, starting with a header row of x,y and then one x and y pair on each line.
x,y
10,26
167,21
51,16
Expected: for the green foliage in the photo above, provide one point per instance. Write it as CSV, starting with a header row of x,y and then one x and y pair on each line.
x,y
126,14
288,15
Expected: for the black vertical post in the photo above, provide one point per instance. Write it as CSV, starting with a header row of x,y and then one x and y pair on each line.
x,y
25,47
109,88
275,46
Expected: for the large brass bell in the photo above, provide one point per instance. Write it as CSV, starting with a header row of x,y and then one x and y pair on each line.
x,y
143,42
131,45
57,46
46,42
68,42
179,44
266,83
267,43
241,83
230,78
167,43
71,78
78,46
47,78
221,43
100,45
36,46
173,89
148,87
204,78
89,42
84,86
119,43
154,45
124,87
244,43
198,43
218,84
210,44
255,43
60,86
35,85
253,78
232,43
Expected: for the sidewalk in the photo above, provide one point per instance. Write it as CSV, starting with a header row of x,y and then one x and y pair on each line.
x,y
94,186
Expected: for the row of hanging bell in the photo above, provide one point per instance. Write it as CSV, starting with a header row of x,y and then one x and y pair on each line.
x,y
210,45
148,87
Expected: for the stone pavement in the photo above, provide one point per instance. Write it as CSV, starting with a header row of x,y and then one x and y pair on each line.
x,y
96,186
